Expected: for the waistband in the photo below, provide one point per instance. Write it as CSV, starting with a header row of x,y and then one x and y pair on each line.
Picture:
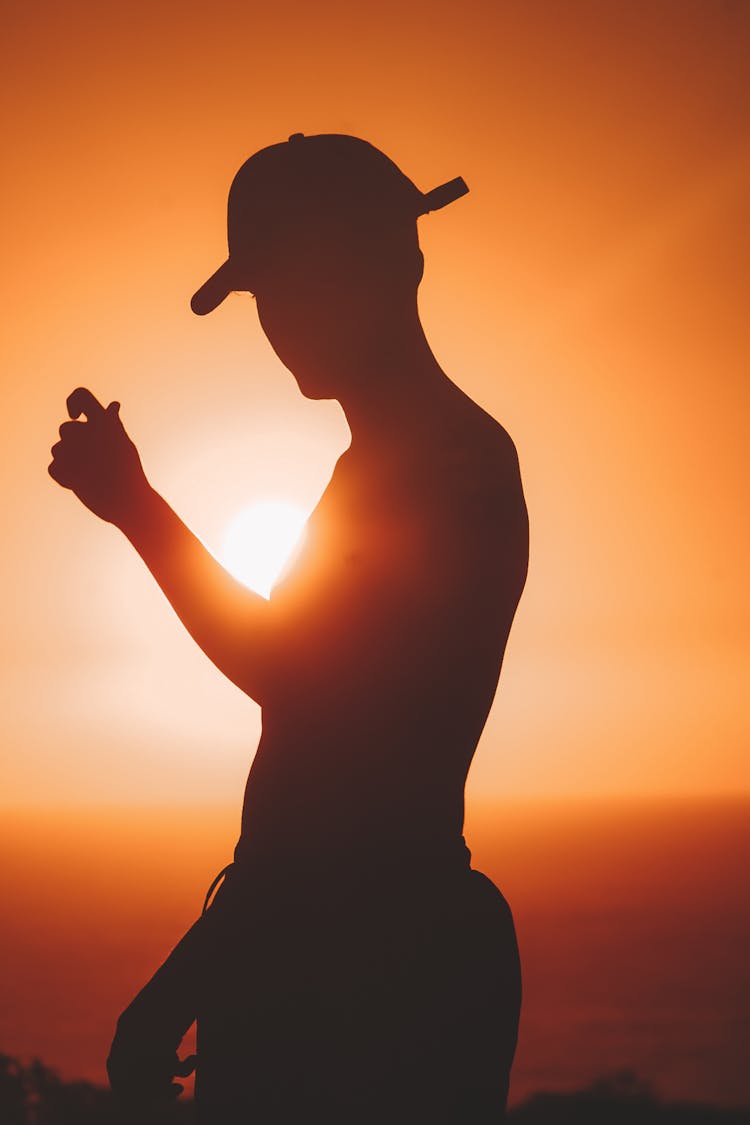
x,y
254,869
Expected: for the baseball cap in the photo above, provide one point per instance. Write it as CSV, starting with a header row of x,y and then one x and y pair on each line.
x,y
305,181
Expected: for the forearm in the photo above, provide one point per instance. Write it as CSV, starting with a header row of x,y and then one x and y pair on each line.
x,y
143,1059
168,1004
228,621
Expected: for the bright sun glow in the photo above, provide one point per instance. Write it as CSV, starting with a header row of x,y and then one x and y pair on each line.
x,y
260,541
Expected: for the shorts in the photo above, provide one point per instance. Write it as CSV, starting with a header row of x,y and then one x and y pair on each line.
x,y
356,1003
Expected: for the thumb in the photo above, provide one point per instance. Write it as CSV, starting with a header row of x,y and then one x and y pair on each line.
x,y
82,401
113,410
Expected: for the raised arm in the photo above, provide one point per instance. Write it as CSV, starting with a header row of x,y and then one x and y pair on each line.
x,y
97,460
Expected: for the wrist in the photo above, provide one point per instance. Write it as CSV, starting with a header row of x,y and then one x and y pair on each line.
x,y
135,514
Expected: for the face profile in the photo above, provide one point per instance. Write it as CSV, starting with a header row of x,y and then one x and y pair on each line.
x,y
329,303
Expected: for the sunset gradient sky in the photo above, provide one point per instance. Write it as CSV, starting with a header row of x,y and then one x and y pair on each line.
x,y
591,292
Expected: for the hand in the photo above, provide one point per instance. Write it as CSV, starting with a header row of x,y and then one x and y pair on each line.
x,y
96,459
141,1069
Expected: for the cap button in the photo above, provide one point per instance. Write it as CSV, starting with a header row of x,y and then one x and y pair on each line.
x,y
297,137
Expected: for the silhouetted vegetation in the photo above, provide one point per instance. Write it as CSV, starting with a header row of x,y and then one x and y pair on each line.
x,y
619,1099
34,1095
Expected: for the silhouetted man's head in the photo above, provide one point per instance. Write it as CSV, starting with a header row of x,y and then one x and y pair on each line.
x,y
323,231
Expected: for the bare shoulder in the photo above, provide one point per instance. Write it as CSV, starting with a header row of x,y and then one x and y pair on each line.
x,y
481,450
482,513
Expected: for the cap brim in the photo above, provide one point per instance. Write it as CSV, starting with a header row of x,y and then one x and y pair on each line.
x,y
212,292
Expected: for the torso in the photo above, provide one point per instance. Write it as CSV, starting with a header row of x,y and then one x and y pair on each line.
x,y
391,631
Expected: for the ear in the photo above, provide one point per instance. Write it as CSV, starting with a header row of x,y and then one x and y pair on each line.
x,y
418,266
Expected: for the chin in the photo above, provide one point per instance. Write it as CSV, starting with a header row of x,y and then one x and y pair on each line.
x,y
317,380
315,389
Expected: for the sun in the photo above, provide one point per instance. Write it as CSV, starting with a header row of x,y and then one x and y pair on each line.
x,y
259,542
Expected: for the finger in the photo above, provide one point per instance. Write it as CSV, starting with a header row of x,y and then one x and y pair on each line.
x,y
69,428
63,464
66,449
186,1066
55,472
59,470
112,414
82,401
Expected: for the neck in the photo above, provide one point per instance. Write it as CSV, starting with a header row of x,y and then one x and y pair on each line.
x,y
396,377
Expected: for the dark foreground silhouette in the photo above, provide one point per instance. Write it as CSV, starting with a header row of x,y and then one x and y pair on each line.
x,y
34,1095
352,967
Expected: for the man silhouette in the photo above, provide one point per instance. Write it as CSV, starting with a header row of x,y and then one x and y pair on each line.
x,y
352,967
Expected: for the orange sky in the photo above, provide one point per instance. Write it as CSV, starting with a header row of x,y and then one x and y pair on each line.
x,y
591,292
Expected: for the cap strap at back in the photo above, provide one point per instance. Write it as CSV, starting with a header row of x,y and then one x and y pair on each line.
x,y
443,195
